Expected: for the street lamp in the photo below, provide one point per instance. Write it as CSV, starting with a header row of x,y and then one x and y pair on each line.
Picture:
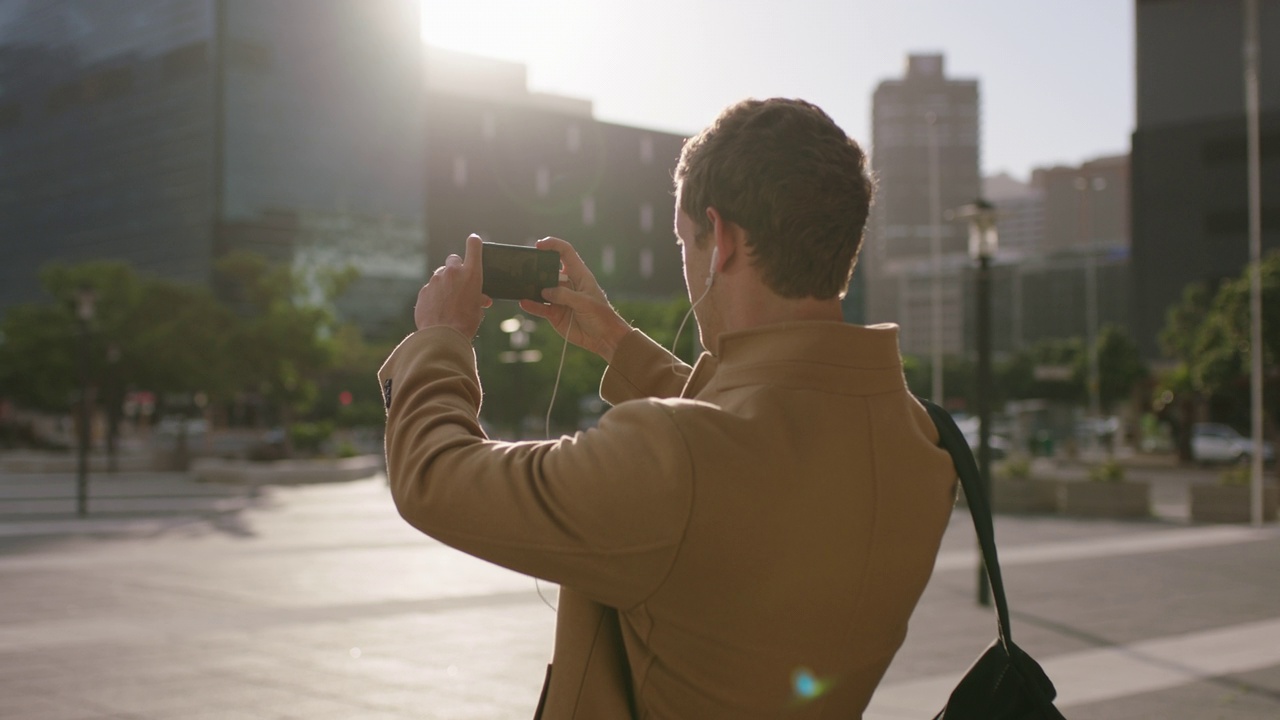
x,y
982,247
518,330
85,301
935,261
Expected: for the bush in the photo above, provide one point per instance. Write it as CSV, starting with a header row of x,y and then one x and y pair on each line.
x,y
1239,476
309,437
1107,472
1017,467
346,449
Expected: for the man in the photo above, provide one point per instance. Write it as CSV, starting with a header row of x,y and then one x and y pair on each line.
x,y
741,539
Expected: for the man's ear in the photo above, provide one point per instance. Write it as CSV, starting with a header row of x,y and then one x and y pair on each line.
x,y
725,235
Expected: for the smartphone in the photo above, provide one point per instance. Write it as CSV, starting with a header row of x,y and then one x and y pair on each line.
x,y
516,272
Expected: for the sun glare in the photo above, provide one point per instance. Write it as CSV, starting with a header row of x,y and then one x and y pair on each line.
x,y
516,30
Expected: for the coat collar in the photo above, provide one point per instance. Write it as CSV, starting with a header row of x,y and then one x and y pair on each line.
x,y
804,354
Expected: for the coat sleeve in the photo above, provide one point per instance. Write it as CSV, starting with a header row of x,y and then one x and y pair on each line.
x,y
602,511
642,368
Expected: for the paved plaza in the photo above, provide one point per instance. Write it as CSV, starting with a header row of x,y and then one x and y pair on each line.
x,y
177,599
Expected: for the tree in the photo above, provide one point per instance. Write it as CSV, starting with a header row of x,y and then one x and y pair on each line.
x,y
1120,366
145,333
283,343
1017,376
1209,334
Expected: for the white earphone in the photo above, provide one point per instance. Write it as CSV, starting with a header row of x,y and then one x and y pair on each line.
x,y
715,259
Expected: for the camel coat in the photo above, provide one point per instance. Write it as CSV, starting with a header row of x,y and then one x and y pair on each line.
x,y
743,539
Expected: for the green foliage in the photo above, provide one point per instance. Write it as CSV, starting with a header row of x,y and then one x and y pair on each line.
x,y
1016,376
38,359
1108,471
284,337
308,437
959,378
1120,365
145,333
281,339
1238,476
346,449
1208,333
1017,467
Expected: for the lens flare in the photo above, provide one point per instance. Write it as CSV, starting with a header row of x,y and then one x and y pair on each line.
x,y
806,686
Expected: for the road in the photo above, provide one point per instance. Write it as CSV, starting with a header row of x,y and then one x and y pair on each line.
x,y
181,600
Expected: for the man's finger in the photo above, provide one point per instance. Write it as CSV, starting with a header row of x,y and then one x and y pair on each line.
x,y
573,265
452,261
537,309
475,248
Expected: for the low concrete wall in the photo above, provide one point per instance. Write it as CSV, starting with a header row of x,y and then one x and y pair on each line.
x,y
1231,504
285,472
1024,497
1104,499
45,462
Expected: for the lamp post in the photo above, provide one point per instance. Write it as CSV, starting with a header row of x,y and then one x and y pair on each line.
x,y
518,330
1254,172
85,301
982,247
935,262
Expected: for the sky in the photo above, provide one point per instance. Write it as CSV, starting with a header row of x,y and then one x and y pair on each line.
x,y
1056,76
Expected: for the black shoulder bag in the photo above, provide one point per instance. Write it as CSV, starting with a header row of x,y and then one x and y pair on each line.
x,y
1004,683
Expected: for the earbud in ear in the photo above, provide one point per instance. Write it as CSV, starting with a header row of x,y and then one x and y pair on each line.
x,y
715,260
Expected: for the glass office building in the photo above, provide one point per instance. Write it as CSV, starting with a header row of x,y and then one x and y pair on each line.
x,y
166,133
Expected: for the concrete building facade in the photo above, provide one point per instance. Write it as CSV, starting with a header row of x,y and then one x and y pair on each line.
x,y
514,166
925,153
1189,185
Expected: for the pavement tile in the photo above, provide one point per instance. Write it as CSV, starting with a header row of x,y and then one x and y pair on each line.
x,y
257,613
1248,696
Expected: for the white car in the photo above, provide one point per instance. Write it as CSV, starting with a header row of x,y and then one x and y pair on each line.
x,y
1218,443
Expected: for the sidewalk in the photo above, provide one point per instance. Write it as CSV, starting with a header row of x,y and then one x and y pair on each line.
x,y
320,602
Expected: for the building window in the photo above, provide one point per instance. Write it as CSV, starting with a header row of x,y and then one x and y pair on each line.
x,y
588,210
646,263
460,171
607,260
488,125
573,138
646,149
542,181
646,217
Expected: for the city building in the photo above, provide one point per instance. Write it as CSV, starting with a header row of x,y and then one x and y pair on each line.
x,y
1190,198
514,166
925,153
1066,224
167,133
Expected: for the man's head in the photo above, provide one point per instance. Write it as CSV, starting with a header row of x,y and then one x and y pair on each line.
x,y
786,174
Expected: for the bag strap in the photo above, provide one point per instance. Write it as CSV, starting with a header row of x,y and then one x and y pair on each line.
x,y
975,493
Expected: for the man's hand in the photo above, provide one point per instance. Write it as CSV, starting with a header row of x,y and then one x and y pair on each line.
x,y
452,296
596,325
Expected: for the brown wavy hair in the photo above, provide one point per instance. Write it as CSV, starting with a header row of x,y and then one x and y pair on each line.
x,y
784,172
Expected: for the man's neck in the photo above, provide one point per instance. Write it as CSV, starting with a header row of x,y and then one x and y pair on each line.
x,y
750,310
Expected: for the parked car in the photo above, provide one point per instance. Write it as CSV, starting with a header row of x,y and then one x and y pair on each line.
x,y
1218,443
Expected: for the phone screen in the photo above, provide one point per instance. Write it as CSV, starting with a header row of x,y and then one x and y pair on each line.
x,y
516,272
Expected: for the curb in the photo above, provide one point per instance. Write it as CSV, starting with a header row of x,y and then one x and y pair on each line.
x,y
285,472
